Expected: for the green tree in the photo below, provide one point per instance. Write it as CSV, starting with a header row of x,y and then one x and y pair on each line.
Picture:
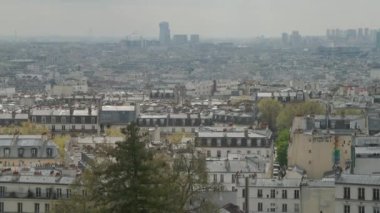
x,y
269,110
282,143
286,115
132,178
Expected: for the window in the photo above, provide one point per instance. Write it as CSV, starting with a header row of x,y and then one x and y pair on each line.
x,y
214,142
19,207
38,192
53,119
260,207
346,193
259,193
43,119
21,152
2,191
361,209
59,193
34,152
68,193
208,153
49,152
296,207
83,120
47,208
284,194
272,193
36,208
7,152
221,178
284,207
243,193
63,127
376,194
2,207
92,120
73,120
296,194
215,178
48,192
63,120
346,209
361,193
218,153
376,209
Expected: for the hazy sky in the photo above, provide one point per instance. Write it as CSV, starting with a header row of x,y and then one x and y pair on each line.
x,y
209,18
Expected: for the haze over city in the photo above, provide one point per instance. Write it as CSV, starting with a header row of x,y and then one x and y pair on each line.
x,y
211,18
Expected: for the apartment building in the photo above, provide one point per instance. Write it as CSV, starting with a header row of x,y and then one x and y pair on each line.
x,y
319,144
228,172
217,142
357,194
31,190
269,195
66,120
26,150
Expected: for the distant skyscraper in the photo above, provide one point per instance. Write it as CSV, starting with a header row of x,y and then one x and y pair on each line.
x,y
164,33
285,38
180,39
378,40
194,38
366,33
360,33
295,38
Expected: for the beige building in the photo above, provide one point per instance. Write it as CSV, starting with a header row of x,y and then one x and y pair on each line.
x,y
318,151
318,196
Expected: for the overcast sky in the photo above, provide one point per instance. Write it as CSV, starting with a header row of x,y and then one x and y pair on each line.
x,y
209,18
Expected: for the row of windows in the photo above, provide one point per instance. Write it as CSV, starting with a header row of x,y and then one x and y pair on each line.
x,y
219,153
49,193
361,209
233,142
284,207
33,152
284,194
63,120
20,208
83,127
361,194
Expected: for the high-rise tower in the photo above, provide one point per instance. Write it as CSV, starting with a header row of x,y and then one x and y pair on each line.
x,y
164,33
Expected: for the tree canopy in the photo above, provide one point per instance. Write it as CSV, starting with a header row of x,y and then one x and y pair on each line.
x,y
133,178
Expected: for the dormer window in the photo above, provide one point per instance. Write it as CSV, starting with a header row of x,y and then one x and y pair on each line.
x,y
7,152
21,152
34,152
49,152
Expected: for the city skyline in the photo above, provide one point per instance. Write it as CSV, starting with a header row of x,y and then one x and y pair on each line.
x,y
215,19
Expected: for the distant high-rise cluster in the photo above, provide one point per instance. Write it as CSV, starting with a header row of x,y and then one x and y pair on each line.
x,y
178,39
361,34
294,39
